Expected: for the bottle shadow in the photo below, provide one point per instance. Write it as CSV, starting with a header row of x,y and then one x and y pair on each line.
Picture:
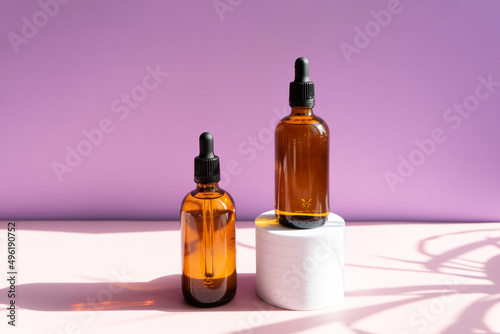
x,y
161,294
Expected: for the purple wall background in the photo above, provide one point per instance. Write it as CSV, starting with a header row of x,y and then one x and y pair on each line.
x,y
229,74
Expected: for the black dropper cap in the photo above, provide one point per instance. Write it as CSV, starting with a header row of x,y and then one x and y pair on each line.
x,y
206,165
301,88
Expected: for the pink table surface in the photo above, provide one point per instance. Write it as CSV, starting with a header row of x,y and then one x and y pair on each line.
x,y
123,277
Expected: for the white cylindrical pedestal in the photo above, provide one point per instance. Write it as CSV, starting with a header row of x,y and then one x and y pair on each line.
x,y
299,269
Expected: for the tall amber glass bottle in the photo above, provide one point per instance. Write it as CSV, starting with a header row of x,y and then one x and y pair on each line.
x,y
301,158
208,235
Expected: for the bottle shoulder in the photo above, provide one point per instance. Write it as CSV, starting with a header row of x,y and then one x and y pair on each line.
x,y
312,120
219,200
227,197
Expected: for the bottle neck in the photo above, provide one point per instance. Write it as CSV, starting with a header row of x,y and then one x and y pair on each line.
x,y
208,187
302,111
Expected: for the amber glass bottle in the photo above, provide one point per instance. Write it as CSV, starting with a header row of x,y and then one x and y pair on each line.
x,y
208,235
301,158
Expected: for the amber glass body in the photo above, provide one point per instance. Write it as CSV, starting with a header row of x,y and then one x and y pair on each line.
x,y
209,246
301,169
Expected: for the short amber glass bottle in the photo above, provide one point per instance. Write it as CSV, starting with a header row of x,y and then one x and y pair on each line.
x,y
301,158
208,235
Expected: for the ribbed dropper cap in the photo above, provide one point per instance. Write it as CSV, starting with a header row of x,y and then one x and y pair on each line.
x,y
301,88
206,165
